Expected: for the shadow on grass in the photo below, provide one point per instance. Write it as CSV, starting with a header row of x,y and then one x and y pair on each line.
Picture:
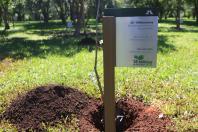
x,y
173,29
61,43
163,46
52,25
182,30
185,22
20,48
40,25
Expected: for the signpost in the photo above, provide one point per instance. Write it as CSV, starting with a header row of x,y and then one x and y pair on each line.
x,y
109,72
130,40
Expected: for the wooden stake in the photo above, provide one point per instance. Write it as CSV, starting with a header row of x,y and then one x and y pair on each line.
x,y
109,72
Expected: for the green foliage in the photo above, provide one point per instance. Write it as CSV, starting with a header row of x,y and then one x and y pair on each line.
x,y
63,9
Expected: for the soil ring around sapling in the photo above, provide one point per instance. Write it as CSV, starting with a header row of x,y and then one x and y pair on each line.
x,y
131,115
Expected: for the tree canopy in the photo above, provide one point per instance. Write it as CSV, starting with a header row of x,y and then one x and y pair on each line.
x,y
79,11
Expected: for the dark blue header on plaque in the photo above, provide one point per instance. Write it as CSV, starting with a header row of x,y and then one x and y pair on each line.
x,y
127,12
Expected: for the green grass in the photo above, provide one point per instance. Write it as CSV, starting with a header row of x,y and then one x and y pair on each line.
x,y
34,54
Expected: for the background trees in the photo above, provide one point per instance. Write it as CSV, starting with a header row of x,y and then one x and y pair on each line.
x,y
19,9
44,6
195,2
194,5
79,11
62,8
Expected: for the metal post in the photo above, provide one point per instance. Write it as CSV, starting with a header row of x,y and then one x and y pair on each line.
x,y
109,72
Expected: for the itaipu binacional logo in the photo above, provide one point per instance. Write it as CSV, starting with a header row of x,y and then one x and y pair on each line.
x,y
139,60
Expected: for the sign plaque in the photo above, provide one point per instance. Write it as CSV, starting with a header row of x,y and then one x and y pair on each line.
x,y
136,37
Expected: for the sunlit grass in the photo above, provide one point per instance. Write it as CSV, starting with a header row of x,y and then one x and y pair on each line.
x,y
172,86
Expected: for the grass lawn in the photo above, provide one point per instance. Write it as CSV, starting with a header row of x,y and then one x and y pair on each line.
x,y
32,54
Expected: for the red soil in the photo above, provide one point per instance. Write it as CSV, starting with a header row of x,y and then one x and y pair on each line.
x,y
52,104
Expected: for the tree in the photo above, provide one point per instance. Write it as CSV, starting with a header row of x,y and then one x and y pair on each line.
x,y
1,14
169,8
194,3
178,12
62,9
19,9
32,9
179,8
4,6
44,6
39,9
77,14
196,9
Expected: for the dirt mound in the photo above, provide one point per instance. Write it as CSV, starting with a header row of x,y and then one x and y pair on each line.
x,y
46,104
52,104
131,115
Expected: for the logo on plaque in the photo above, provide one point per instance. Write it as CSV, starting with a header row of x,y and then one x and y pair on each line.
x,y
149,12
139,61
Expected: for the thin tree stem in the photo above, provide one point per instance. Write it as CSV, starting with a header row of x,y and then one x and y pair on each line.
x,y
96,53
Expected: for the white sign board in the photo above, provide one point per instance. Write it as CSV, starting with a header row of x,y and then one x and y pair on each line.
x,y
136,36
136,41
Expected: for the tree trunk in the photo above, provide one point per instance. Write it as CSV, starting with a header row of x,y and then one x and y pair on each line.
x,y
45,6
160,17
178,16
20,14
45,17
5,19
62,17
196,10
166,15
77,28
0,21
80,18
71,3
7,26
62,14
36,16
20,17
61,10
1,13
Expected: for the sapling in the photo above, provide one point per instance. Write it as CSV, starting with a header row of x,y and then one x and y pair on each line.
x,y
96,53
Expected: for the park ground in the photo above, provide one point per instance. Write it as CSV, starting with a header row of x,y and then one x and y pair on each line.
x,y
34,54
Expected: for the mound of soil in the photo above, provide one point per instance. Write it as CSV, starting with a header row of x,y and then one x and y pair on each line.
x,y
52,104
45,104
